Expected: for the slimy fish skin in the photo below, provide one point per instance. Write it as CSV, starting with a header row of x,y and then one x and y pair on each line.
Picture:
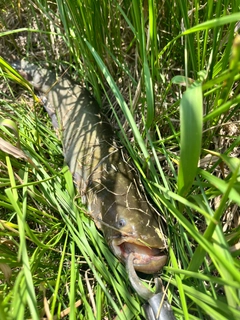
x,y
108,185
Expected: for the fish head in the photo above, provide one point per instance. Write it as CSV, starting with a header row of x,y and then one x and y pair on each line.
x,y
130,225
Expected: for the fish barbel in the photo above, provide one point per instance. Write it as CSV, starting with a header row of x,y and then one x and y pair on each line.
x,y
107,184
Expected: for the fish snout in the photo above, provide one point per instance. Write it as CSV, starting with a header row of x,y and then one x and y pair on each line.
x,y
145,258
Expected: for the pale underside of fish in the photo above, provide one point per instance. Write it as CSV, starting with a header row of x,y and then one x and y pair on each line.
x,y
106,182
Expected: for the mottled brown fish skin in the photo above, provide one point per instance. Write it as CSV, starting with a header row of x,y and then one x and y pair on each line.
x,y
105,181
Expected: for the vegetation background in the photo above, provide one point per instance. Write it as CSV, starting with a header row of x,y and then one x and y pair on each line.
x,y
167,74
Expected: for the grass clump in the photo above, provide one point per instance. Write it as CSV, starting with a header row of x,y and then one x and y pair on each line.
x,y
167,75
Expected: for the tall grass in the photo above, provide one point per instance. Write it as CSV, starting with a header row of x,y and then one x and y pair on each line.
x,y
170,73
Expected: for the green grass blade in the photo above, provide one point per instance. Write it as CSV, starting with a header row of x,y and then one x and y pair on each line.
x,y
191,119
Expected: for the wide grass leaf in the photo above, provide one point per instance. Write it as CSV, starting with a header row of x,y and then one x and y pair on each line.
x,y
191,120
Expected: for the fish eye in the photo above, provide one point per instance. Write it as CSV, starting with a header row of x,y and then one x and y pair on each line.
x,y
121,223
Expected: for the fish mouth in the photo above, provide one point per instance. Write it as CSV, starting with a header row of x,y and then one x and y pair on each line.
x,y
145,259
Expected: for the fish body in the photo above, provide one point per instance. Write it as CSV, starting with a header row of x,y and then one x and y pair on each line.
x,y
108,185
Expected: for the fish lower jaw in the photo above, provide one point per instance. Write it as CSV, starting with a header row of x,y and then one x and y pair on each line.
x,y
146,260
